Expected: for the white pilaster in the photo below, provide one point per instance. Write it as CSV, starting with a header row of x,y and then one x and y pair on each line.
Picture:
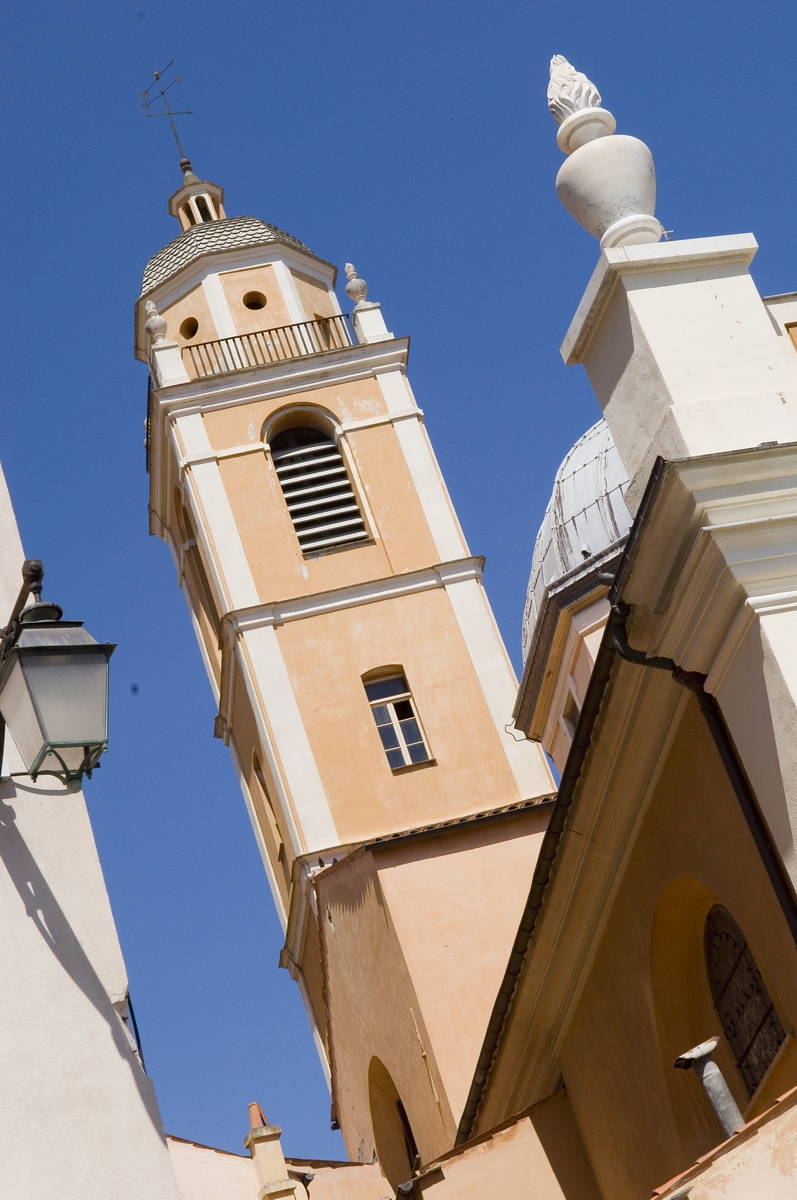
x,y
290,292
498,684
168,363
370,324
425,473
227,551
219,308
317,828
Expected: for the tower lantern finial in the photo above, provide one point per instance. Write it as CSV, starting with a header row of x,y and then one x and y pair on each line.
x,y
356,288
608,183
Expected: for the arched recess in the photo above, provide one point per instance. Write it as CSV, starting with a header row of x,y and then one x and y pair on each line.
x,y
689,973
684,1010
395,1142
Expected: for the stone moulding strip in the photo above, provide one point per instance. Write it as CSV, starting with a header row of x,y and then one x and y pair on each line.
x,y
371,592
267,380
191,460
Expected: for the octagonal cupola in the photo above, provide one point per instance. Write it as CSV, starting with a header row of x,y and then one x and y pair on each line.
x,y
198,201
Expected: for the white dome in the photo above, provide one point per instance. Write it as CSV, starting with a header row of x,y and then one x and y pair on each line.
x,y
585,516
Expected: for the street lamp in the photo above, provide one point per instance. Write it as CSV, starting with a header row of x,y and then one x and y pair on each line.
x,y
53,687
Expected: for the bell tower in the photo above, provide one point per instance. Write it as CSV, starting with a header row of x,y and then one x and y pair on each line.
x,y
362,684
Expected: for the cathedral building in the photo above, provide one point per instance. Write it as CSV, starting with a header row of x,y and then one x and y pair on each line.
x,y
584,991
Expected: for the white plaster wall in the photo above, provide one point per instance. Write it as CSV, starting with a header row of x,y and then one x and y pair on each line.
x,y
759,708
684,357
204,1173
78,1116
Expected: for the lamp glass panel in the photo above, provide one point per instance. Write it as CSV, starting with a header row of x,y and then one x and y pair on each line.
x,y
20,715
70,757
71,692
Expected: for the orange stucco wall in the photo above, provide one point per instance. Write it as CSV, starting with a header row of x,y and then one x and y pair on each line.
x,y
456,903
380,476
374,1011
261,279
416,937
537,1157
420,633
315,298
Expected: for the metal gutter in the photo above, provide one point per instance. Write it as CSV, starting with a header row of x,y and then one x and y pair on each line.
x,y
615,644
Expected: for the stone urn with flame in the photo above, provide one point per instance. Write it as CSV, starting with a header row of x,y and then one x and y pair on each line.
x,y
608,182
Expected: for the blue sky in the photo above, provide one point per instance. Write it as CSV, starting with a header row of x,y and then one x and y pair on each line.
x,y
412,138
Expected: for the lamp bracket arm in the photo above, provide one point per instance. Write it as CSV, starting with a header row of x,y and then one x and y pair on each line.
x,y
32,576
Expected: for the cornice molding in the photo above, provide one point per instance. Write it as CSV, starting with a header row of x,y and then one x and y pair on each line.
x,y
283,378
659,258
259,447
370,591
720,537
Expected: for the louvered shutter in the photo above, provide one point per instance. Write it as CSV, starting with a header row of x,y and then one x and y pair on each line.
x,y
317,490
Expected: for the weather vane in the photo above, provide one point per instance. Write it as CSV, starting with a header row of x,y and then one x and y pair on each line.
x,y
148,99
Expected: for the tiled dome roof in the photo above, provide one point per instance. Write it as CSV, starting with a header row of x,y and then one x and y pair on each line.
x,y
226,234
585,516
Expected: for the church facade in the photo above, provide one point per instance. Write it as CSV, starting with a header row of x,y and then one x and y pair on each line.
x,y
579,991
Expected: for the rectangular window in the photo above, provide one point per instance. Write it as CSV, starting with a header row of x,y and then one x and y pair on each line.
x,y
397,721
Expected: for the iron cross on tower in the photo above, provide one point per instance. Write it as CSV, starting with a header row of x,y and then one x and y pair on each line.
x,y
157,91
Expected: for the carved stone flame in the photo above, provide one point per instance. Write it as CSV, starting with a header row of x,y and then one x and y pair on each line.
x,y
569,91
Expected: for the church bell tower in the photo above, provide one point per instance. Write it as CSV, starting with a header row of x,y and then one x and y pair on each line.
x,y
362,684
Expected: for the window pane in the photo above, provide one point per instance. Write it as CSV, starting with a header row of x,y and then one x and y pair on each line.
x,y
382,689
395,758
389,737
381,714
411,731
404,710
418,753
740,997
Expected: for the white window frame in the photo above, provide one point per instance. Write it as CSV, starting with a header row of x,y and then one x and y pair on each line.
x,y
390,703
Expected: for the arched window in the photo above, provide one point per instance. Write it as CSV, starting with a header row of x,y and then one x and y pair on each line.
x,y
317,489
740,997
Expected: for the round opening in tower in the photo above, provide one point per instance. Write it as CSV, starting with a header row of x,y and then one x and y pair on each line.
x,y
189,328
254,300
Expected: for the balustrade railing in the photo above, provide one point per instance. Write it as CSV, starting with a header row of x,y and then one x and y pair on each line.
x,y
266,346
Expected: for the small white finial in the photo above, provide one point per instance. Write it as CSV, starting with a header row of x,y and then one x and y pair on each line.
x,y
569,91
356,288
155,324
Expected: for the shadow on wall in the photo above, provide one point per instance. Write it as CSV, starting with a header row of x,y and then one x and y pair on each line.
x,y
47,915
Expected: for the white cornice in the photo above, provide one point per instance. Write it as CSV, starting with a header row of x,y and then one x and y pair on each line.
x,y
259,447
284,378
370,592
614,264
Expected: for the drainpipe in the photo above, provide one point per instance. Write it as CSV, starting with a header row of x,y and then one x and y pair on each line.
x,y
717,1090
742,788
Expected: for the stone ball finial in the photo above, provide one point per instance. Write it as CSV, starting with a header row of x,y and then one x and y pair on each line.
x,y
356,288
608,183
155,324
